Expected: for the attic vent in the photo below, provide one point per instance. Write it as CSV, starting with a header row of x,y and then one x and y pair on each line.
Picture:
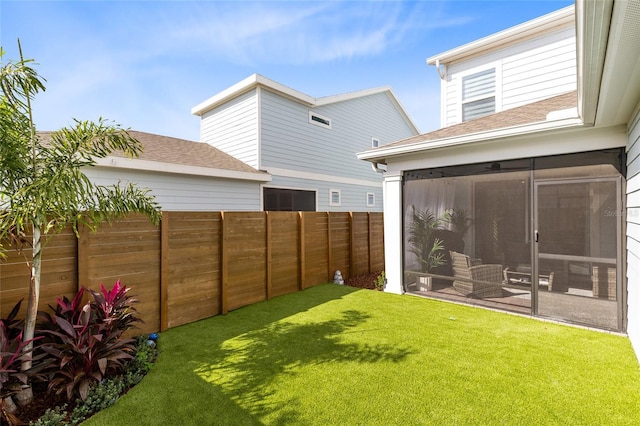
x,y
319,120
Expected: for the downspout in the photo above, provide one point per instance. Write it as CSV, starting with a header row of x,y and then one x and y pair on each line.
x,y
442,70
376,167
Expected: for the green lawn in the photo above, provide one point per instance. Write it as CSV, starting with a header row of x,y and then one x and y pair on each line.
x,y
334,355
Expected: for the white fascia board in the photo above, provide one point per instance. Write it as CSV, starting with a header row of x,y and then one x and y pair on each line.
x,y
380,155
549,22
243,86
157,166
297,174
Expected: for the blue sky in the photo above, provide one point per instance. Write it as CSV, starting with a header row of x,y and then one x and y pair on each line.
x,y
145,64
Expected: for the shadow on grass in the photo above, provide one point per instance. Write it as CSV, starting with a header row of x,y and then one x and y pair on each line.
x,y
246,367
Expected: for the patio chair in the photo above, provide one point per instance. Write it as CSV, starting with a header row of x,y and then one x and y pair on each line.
x,y
475,281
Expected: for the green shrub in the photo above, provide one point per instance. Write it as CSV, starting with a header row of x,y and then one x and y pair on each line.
x,y
380,281
55,417
99,397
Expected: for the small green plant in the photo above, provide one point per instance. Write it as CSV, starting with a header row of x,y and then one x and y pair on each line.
x,y
380,281
144,358
98,398
52,417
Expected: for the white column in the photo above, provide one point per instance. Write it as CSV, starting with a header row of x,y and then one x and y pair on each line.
x,y
392,195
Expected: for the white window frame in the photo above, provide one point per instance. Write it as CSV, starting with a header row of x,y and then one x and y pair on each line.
x,y
373,196
318,123
331,202
375,142
497,94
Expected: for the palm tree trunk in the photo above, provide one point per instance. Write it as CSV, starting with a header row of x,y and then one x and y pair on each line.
x,y
26,395
34,296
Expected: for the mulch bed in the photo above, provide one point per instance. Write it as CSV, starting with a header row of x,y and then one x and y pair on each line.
x,y
363,281
42,400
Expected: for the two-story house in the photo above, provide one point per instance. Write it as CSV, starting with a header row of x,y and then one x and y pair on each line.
x,y
306,144
533,177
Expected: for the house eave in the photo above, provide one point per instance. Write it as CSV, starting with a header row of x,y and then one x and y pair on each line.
x,y
382,155
551,22
257,80
163,167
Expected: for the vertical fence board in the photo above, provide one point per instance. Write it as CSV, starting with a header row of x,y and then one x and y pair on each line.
x,y
341,243
164,271
285,259
193,273
315,248
360,243
245,247
224,262
376,236
129,251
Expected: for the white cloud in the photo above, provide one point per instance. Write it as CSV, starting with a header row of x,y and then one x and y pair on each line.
x,y
301,33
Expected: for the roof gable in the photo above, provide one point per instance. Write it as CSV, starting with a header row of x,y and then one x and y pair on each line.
x,y
534,28
257,80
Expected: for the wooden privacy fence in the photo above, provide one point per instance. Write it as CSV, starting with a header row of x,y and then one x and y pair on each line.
x,y
199,264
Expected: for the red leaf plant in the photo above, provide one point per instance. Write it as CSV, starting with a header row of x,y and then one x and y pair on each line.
x,y
11,355
84,341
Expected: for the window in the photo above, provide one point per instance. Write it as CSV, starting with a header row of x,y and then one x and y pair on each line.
x,y
375,142
371,199
289,200
479,94
319,120
334,198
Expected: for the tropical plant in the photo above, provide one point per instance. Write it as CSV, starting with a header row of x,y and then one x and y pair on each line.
x,y
430,252
42,184
85,342
11,356
114,308
460,221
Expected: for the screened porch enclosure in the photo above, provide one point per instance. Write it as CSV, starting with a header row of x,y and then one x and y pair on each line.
x,y
538,236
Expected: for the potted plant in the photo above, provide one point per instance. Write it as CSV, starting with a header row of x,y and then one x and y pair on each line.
x,y
428,251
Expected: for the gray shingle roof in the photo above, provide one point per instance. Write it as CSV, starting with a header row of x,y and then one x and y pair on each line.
x,y
525,114
167,149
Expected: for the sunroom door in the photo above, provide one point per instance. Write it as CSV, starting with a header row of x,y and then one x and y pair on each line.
x,y
577,229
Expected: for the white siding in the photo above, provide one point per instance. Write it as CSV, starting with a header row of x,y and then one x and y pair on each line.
x,y
353,197
633,232
186,193
233,128
289,141
527,72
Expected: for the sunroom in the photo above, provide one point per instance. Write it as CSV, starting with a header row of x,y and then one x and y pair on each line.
x,y
522,211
